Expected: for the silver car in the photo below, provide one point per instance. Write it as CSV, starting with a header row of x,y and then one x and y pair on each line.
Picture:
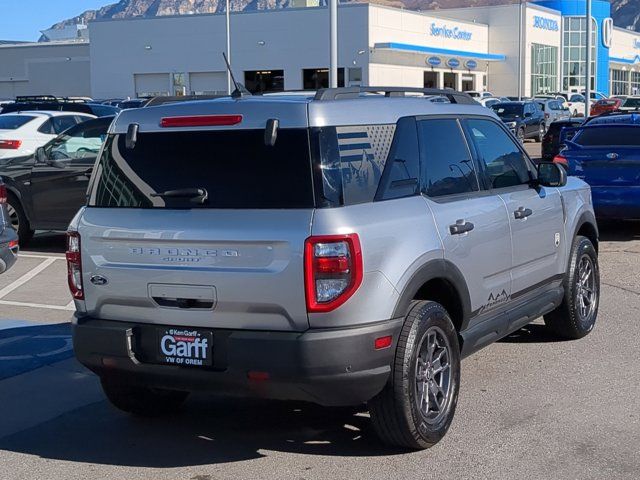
x,y
553,110
8,236
341,248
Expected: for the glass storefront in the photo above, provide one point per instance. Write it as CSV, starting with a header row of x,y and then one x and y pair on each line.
x,y
574,61
619,82
544,69
635,83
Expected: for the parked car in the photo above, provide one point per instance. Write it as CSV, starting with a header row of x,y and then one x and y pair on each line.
x,y
630,104
477,95
135,103
46,188
576,105
78,105
553,110
552,140
437,99
605,153
22,133
8,236
488,101
524,119
606,105
428,235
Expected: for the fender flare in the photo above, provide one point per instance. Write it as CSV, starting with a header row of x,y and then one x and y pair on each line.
x,y
589,217
435,269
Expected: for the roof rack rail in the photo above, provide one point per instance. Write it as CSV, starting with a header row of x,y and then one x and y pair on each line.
x,y
48,98
340,93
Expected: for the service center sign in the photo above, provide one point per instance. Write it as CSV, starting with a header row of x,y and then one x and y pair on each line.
x,y
445,31
544,23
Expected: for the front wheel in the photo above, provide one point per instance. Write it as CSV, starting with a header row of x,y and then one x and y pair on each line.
x,y
576,316
19,220
417,406
521,135
541,131
142,401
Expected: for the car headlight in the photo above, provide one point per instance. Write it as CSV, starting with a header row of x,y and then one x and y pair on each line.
x,y
511,124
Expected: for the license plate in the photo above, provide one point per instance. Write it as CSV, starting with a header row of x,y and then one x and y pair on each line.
x,y
185,347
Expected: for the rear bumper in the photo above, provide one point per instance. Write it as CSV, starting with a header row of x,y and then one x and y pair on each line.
x,y
8,255
329,367
620,203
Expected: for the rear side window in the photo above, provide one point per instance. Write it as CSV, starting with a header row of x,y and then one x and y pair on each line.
x,y
504,163
447,165
13,122
235,167
619,135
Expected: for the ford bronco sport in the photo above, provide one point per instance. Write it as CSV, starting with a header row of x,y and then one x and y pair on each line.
x,y
341,248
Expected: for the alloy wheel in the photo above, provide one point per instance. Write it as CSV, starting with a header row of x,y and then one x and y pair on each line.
x,y
586,289
13,216
433,375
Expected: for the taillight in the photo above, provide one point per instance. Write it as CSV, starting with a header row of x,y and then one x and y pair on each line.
x,y
201,121
10,144
3,194
74,265
561,159
332,270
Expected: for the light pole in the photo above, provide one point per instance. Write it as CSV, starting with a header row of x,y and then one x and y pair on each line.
x,y
228,51
520,51
333,43
587,93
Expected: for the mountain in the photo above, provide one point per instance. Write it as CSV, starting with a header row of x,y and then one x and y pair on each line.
x,y
625,13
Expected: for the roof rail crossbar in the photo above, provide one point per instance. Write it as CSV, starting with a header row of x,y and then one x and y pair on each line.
x,y
354,92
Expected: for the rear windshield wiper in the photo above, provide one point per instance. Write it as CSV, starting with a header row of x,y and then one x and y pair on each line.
x,y
197,195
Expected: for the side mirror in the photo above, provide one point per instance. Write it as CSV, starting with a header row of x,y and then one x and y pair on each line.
x,y
551,175
41,155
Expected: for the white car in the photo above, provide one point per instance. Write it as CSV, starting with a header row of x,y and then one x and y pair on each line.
x,y
22,133
488,101
477,95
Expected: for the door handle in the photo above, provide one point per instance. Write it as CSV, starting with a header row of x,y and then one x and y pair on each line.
x,y
522,213
460,227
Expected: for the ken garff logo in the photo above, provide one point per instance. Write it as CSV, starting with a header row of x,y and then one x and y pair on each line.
x,y
98,280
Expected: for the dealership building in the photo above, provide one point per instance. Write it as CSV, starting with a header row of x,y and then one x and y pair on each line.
x,y
525,49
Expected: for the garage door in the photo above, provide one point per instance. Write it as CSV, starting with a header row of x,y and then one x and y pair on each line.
x,y
151,84
208,83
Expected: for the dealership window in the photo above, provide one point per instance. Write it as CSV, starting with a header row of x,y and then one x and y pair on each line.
x,y
355,76
468,83
315,78
450,80
635,83
259,81
619,82
574,60
431,79
179,84
544,69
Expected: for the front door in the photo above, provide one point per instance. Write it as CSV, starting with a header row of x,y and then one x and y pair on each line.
x,y
472,223
535,214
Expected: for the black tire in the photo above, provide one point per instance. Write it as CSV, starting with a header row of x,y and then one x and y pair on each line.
x,y
396,413
542,129
521,135
19,220
142,401
569,319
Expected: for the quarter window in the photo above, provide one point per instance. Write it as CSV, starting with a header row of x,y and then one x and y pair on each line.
x,y
504,164
447,165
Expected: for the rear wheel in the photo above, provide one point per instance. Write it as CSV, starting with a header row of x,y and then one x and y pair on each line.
x,y
521,135
417,406
541,131
576,316
19,220
142,401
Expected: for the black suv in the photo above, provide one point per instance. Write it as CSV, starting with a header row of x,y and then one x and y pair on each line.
x,y
551,145
524,119
56,104
46,189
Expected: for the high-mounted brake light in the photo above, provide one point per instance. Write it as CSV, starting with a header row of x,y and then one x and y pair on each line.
x,y
3,194
200,121
74,265
333,270
10,144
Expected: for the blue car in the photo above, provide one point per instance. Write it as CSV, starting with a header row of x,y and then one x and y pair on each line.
x,y
605,153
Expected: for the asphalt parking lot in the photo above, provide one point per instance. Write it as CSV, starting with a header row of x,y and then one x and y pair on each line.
x,y
530,407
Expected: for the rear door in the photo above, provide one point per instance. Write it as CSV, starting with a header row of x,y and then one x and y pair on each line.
x,y
472,223
230,256
535,214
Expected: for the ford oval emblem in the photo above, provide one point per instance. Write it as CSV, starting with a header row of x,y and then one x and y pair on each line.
x,y
99,280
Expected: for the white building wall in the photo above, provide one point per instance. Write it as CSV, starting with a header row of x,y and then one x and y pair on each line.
x,y
61,69
290,39
624,44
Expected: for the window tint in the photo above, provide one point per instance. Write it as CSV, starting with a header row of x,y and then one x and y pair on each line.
x,y
47,128
632,103
60,124
13,122
447,165
80,144
503,161
402,167
507,109
610,135
235,167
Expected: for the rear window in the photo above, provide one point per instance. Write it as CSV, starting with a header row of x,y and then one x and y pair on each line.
x,y
610,135
236,169
507,109
13,122
631,103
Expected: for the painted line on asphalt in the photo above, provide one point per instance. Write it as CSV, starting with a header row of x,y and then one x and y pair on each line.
x,y
31,255
26,277
69,307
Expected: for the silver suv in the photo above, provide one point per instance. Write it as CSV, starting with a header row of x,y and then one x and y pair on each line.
x,y
341,248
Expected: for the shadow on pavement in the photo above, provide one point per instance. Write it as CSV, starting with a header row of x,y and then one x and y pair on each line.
x,y
47,242
620,231
532,333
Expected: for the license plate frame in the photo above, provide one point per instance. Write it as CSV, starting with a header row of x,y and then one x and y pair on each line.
x,y
184,347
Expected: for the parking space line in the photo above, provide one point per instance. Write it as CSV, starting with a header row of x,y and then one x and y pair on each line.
x,y
31,255
37,305
26,277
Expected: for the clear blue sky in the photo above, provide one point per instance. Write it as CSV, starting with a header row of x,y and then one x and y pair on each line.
x,y
23,19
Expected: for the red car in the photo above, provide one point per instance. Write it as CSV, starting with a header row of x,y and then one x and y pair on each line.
x,y
605,105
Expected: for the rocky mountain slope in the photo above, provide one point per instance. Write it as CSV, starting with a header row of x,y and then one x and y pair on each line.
x,y
626,13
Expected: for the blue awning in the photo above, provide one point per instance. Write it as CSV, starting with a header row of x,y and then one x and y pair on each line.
x,y
440,51
628,61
